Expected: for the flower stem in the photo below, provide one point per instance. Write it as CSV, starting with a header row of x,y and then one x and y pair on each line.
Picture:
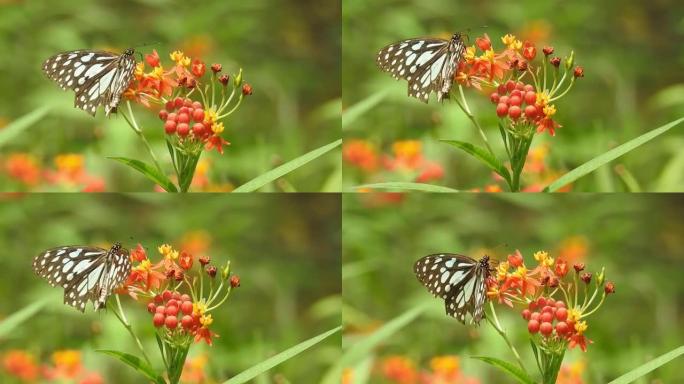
x,y
502,333
119,313
464,107
134,125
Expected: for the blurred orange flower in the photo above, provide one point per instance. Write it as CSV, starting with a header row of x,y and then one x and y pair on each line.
x,y
20,364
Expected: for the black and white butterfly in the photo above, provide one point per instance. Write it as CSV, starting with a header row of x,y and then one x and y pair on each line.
x,y
85,273
97,77
460,280
428,64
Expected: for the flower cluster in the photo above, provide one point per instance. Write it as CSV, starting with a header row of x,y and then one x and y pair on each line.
x,y
403,370
67,173
407,159
556,302
190,125
65,366
523,91
179,317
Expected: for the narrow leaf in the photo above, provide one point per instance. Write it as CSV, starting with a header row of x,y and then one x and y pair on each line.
x,y
136,363
362,349
269,363
643,369
149,171
355,111
286,168
483,155
19,317
17,126
407,186
512,369
609,156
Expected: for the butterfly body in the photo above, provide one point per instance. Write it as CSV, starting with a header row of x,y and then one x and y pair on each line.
x,y
97,77
427,64
459,280
85,273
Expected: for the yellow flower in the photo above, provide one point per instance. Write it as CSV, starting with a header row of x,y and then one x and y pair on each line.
x,y
445,365
69,162
179,58
210,116
158,72
508,39
199,308
502,270
574,314
164,249
206,320
542,98
511,42
406,148
67,358
549,110
469,53
145,265
140,68
521,271
217,128
488,55
581,326
543,258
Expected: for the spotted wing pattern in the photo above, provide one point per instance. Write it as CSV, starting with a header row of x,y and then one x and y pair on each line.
x,y
428,65
97,78
459,280
85,273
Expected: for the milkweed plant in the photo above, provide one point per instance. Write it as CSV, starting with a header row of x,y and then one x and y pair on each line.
x,y
192,103
554,300
180,292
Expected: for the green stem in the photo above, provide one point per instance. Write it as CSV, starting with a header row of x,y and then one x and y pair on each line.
x,y
501,332
134,125
463,104
119,313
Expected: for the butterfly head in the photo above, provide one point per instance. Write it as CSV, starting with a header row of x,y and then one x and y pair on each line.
x,y
129,52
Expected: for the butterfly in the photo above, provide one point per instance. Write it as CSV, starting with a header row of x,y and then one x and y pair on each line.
x,y
85,273
428,64
97,78
460,280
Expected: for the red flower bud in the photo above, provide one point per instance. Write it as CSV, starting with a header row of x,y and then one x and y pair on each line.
x,y
547,50
529,51
216,68
533,326
522,66
545,328
609,288
158,319
235,281
191,83
483,42
555,61
171,322
579,72
211,271
151,308
224,79
246,89
152,58
179,275
553,282
578,267
586,277
204,260
198,68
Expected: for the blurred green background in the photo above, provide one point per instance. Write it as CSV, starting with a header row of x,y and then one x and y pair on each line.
x,y
632,56
285,248
289,51
637,238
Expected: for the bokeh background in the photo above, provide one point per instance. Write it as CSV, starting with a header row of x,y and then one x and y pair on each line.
x,y
632,59
289,51
637,238
285,248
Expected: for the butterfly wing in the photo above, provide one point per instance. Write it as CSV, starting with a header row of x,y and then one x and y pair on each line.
x,y
97,78
81,271
427,64
458,279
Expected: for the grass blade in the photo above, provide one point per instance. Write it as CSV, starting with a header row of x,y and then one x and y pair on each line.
x,y
136,363
407,186
609,156
483,155
643,369
355,111
288,167
512,369
17,126
9,323
149,171
269,363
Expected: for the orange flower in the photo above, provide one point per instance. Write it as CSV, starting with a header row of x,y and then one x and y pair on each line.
x,y
447,367
198,68
399,369
24,168
203,333
193,370
185,260
20,364
360,153
138,254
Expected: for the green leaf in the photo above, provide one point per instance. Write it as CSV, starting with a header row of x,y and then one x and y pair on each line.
x,y
408,186
19,317
17,126
609,156
643,369
286,168
149,171
289,353
362,349
355,111
512,369
483,155
136,363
